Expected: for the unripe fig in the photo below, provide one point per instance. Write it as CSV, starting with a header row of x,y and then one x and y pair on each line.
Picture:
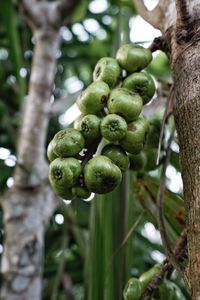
x,y
137,161
148,276
101,175
117,155
89,125
50,153
93,99
153,134
132,290
81,192
141,83
151,155
134,140
133,57
113,127
169,290
68,142
63,174
108,70
125,103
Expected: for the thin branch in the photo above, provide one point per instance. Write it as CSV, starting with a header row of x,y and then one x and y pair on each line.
x,y
167,113
63,9
160,215
31,10
180,252
154,17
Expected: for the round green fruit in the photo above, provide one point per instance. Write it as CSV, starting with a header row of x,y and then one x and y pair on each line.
x,y
108,70
68,142
50,153
141,83
132,290
146,278
113,127
81,192
63,174
117,155
125,103
77,122
133,58
101,175
134,140
89,125
153,134
151,155
94,98
137,161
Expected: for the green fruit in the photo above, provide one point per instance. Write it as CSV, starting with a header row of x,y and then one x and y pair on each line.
x,y
151,155
94,98
113,127
89,125
125,103
134,140
133,58
117,155
148,276
81,192
132,290
141,83
170,291
68,142
63,174
50,153
153,134
137,161
107,70
101,175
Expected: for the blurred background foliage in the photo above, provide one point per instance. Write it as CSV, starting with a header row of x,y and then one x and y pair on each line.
x,y
84,244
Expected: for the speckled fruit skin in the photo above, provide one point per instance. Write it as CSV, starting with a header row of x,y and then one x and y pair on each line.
x,y
138,161
113,127
132,290
125,103
81,192
108,70
89,125
68,142
117,155
133,58
141,83
63,174
134,140
50,153
94,98
101,175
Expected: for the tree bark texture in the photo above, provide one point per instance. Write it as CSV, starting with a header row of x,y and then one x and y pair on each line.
x,y
29,204
179,23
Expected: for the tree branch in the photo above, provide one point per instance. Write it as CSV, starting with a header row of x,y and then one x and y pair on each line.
x,y
160,215
63,9
154,17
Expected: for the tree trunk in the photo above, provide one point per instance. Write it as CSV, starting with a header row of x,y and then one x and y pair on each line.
x,y
29,204
187,117
179,22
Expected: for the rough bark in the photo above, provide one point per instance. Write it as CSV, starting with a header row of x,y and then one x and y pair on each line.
x,y
29,204
180,28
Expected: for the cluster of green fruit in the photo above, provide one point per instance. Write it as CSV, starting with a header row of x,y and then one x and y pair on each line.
x,y
136,287
111,108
